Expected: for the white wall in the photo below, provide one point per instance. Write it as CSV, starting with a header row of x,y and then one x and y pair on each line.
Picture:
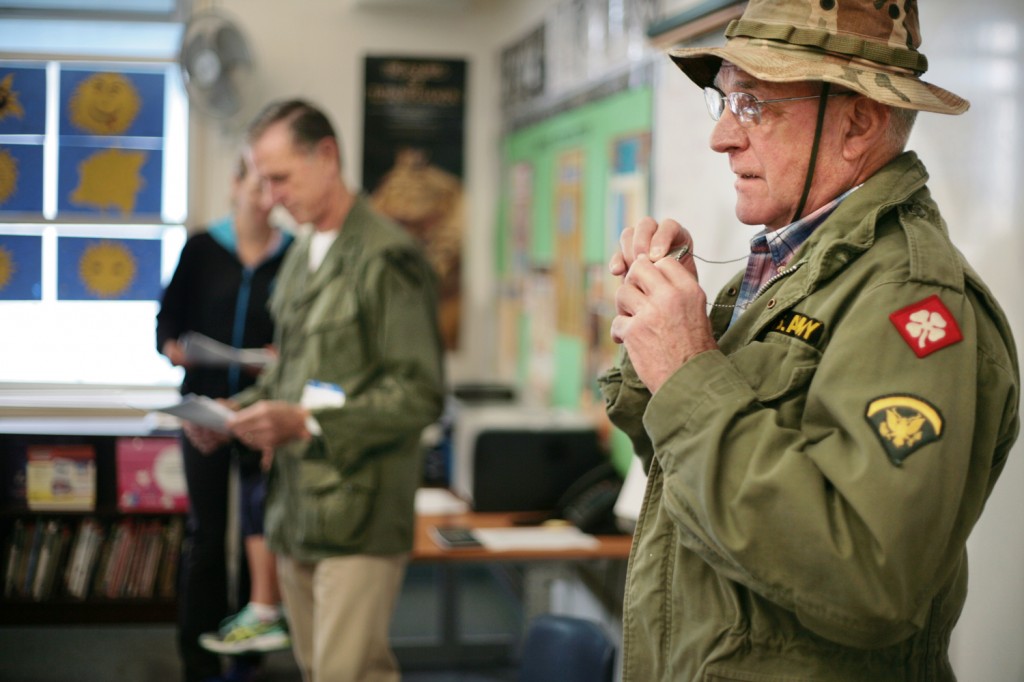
x,y
977,167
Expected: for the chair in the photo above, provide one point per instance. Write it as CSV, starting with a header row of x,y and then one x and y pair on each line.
x,y
566,649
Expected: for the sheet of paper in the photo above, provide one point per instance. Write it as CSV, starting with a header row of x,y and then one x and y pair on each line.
x,y
432,501
319,395
201,410
202,350
535,537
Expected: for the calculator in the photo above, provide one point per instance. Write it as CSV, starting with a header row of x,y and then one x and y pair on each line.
x,y
455,537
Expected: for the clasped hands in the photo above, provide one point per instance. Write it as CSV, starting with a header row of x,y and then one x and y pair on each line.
x,y
661,311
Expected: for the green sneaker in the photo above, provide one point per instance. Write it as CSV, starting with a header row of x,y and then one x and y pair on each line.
x,y
244,633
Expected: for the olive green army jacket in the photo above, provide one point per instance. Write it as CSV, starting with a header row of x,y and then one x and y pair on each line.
x,y
813,482
365,322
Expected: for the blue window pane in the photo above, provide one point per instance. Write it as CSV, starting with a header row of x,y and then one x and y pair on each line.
x,y
22,100
21,179
111,103
108,269
112,181
21,267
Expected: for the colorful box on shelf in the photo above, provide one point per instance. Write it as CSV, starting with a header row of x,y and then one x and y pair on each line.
x,y
60,477
150,476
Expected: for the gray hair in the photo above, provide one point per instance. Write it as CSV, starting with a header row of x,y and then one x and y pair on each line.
x,y
901,122
307,123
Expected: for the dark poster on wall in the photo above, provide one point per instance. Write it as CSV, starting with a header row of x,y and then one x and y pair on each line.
x,y
413,138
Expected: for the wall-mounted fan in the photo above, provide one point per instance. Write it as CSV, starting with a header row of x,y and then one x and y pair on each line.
x,y
216,64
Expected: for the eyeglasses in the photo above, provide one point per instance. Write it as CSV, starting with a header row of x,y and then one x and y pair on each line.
x,y
744,106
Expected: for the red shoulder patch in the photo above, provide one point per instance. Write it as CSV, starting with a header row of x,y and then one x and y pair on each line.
x,y
927,326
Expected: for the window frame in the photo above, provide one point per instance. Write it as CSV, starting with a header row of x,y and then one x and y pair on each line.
x,y
169,226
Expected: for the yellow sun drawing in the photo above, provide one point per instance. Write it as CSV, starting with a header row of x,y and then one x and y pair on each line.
x,y
9,104
7,268
107,268
8,175
110,178
105,104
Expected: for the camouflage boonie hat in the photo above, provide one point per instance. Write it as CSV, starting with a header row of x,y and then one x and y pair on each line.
x,y
869,46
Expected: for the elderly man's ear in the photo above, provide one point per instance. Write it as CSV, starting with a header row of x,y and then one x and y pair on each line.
x,y
867,122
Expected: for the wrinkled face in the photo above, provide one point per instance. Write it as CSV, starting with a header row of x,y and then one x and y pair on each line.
x,y
770,159
294,177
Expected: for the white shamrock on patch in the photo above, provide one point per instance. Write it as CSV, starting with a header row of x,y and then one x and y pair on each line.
x,y
926,327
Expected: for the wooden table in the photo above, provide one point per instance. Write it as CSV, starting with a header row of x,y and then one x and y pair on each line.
x,y
425,549
510,567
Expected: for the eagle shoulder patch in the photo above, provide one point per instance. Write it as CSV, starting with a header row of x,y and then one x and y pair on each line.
x,y
926,326
903,423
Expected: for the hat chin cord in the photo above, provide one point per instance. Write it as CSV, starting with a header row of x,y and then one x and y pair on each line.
x,y
822,102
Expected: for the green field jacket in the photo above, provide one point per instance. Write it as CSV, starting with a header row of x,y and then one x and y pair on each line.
x,y
813,482
365,321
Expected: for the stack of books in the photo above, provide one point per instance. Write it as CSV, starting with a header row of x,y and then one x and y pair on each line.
x,y
133,558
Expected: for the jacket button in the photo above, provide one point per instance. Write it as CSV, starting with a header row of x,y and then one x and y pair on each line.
x,y
770,304
732,291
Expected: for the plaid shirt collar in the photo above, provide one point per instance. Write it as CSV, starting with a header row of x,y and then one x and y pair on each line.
x,y
771,251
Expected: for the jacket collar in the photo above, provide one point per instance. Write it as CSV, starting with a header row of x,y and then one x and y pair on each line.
x,y
345,250
850,230
842,237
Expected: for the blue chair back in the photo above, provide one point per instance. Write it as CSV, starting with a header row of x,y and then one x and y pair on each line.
x,y
566,649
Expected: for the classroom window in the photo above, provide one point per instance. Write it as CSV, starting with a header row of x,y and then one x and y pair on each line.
x,y
92,206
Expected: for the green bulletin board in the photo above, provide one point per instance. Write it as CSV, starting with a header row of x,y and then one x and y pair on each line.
x,y
563,181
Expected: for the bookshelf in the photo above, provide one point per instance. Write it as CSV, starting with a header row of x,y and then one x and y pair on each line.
x,y
104,560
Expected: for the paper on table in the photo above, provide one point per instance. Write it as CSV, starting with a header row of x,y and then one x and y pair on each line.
x,y
202,350
430,501
535,537
201,410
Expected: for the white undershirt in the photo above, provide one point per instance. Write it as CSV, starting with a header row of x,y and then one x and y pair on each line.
x,y
319,243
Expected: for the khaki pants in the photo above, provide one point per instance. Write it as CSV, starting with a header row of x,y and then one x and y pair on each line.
x,y
339,612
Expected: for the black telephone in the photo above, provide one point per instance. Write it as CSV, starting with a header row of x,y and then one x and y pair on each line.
x,y
589,503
